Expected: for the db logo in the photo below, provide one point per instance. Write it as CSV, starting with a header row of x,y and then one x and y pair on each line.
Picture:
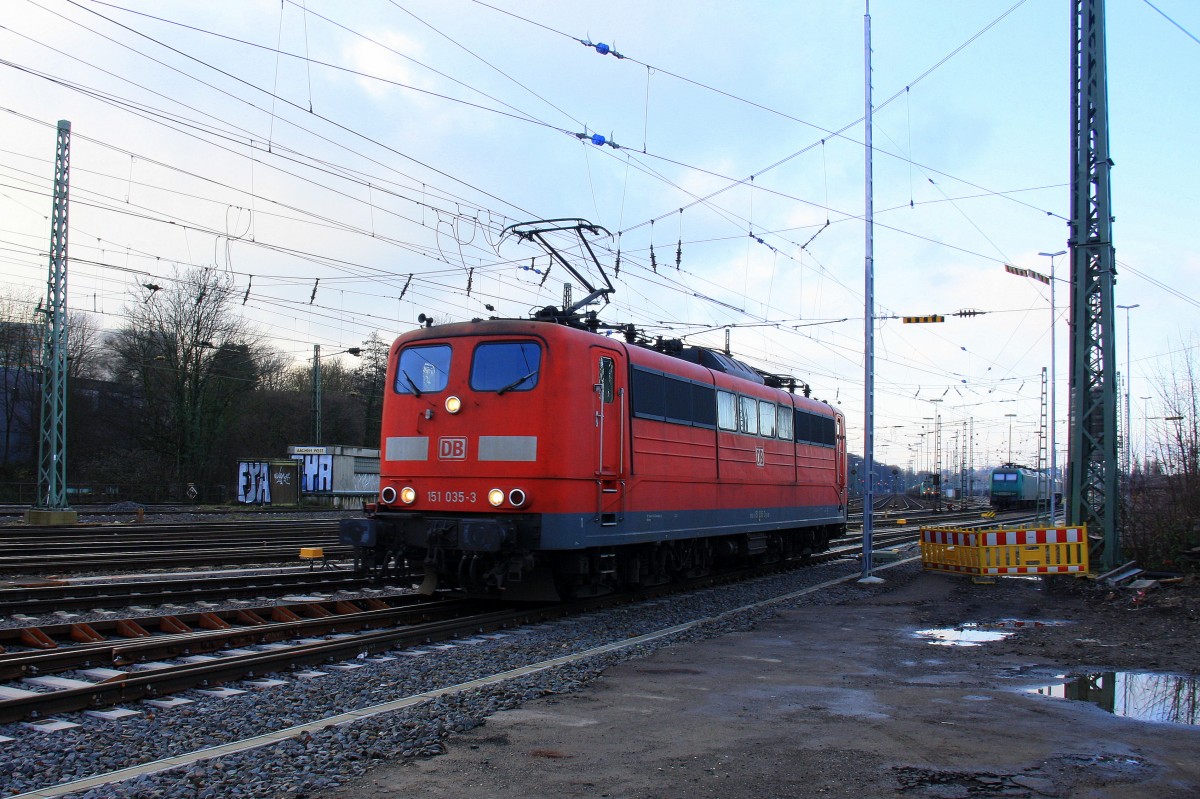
x,y
760,456
452,449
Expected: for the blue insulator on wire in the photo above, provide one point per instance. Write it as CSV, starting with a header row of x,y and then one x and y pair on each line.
x,y
600,47
597,139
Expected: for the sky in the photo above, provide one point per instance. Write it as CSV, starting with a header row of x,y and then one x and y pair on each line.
x,y
352,166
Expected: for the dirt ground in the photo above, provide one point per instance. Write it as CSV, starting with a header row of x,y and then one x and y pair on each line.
x,y
843,700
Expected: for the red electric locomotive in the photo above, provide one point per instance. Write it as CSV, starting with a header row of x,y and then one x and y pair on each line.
x,y
538,458
529,457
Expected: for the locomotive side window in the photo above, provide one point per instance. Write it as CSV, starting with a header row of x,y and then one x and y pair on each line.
x,y
748,415
726,410
649,391
659,396
606,379
813,428
766,419
505,366
678,398
823,431
783,428
704,408
423,369
803,426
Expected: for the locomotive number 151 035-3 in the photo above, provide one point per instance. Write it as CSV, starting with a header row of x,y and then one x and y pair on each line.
x,y
452,496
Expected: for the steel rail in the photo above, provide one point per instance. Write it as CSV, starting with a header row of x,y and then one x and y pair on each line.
x,y
411,609
175,678
40,599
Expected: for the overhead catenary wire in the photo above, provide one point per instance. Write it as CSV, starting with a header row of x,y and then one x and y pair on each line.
x,y
633,252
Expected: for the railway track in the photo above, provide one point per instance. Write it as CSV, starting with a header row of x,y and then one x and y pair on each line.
x,y
130,510
40,598
59,550
211,648
919,516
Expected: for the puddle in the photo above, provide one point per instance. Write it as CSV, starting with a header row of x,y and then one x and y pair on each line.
x,y
976,633
1168,698
963,635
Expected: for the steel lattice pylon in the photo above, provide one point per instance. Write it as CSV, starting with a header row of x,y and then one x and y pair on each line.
x,y
52,449
1042,504
1094,497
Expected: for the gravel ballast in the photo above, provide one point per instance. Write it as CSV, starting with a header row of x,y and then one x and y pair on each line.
x,y
317,761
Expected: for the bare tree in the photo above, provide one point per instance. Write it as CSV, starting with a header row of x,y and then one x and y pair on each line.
x,y
85,352
369,379
193,362
273,370
1163,504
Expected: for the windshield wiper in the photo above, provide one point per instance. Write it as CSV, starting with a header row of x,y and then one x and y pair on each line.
x,y
516,382
416,391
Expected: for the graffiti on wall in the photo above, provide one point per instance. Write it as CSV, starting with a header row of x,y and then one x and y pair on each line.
x,y
316,472
254,482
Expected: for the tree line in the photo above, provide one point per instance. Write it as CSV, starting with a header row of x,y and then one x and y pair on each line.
x,y
177,394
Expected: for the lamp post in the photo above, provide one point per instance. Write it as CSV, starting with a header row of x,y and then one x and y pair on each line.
x,y
1053,375
316,386
1128,388
937,453
1146,434
1010,418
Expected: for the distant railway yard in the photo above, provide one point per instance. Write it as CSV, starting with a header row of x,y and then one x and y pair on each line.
x,y
130,650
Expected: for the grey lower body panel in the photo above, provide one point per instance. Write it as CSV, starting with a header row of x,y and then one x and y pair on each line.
x,y
577,530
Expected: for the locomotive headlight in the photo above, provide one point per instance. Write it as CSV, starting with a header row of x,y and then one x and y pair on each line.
x,y
387,495
453,404
496,497
517,497
408,495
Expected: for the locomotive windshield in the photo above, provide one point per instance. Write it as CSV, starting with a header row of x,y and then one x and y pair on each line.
x,y
506,366
423,369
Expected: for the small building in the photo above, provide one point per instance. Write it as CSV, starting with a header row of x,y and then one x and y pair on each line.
x,y
274,482
338,476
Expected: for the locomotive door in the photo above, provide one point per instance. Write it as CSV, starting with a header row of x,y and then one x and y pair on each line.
x,y
610,395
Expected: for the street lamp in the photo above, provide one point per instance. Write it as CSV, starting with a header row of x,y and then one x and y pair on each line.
x,y
1053,376
1128,387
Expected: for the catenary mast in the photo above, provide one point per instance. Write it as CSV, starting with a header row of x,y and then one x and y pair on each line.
x,y
51,506
1093,469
